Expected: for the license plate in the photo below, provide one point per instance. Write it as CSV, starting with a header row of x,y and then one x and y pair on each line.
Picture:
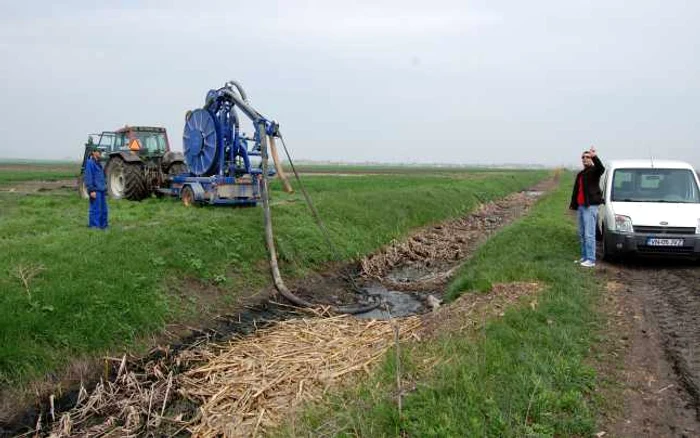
x,y
653,241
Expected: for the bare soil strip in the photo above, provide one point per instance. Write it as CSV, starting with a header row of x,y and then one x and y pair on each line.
x,y
37,186
247,384
654,313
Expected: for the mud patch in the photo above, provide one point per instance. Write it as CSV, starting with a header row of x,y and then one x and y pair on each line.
x,y
650,348
37,186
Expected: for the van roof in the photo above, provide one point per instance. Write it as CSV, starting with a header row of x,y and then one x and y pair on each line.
x,y
648,163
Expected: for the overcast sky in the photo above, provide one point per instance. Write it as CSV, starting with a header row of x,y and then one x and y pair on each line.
x,y
474,82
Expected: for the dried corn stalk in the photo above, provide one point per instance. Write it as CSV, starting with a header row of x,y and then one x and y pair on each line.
x,y
251,384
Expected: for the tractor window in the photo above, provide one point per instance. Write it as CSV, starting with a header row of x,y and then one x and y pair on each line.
x,y
120,142
153,142
106,141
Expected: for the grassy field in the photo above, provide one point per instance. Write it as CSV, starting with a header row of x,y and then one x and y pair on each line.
x,y
522,375
393,169
22,170
70,292
12,172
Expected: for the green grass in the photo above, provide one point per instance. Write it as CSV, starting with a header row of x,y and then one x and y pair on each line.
x,y
88,292
521,375
393,168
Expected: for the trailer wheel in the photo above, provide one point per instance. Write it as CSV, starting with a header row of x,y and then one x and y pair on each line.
x,y
187,196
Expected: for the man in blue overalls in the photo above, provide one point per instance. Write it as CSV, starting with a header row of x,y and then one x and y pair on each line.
x,y
96,187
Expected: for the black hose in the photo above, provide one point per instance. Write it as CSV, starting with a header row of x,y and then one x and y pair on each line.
x,y
239,87
316,216
270,243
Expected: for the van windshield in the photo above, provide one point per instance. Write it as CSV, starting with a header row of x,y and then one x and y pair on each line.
x,y
655,185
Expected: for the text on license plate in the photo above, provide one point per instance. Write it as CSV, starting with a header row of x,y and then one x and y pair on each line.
x,y
653,241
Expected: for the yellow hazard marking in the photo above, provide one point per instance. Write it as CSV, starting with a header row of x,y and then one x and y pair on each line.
x,y
134,145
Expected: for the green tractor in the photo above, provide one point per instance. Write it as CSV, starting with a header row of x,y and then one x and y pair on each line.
x,y
137,161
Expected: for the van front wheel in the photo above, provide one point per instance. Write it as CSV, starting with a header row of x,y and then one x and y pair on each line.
x,y
608,253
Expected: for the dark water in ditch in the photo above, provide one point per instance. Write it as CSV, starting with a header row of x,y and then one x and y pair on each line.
x,y
394,303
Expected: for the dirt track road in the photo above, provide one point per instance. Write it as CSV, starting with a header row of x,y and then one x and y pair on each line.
x,y
659,302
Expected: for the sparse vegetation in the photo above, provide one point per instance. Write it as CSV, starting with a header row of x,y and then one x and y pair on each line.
x,y
159,262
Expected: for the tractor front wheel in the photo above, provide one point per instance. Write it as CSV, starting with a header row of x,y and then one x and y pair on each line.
x,y
115,178
82,189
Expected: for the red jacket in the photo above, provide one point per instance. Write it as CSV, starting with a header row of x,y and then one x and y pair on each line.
x,y
591,185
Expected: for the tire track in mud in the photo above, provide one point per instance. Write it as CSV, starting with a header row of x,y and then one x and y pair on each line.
x,y
670,293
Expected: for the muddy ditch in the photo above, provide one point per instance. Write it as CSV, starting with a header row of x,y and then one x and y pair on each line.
x,y
112,386
150,396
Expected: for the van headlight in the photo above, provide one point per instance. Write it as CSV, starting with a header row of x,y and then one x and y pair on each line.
x,y
697,227
623,224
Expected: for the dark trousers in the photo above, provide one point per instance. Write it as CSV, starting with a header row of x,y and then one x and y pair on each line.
x,y
97,214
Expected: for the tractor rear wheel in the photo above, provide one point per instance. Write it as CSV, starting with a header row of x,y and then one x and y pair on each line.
x,y
126,180
134,182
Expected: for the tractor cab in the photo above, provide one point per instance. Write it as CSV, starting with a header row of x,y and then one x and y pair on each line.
x,y
143,140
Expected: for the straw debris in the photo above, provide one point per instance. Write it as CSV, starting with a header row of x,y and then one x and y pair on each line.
x,y
251,384
242,388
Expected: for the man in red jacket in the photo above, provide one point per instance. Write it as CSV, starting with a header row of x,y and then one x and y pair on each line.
x,y
585,199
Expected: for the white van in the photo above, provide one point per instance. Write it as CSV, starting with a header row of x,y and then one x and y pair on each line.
x,y
650,207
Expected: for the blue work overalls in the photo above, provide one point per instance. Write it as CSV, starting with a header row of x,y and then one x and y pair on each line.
x,y
95,182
